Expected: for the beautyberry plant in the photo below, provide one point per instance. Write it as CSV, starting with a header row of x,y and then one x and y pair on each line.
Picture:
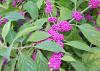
x,y
49,35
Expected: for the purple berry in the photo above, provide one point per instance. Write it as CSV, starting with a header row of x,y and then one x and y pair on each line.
x,y
5,20
52,19
51,31
1,23
14,3
56,27
88,17
58,37
0,17
65,26
55,61
3,1
48,8
77,15
94,3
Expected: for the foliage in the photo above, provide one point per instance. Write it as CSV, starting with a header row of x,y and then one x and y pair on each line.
x,y
26,45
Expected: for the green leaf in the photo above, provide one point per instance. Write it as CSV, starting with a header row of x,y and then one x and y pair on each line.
x,y
25,63
65,3
34,1
65,13
41,62
6,29
92,61
78,66
29,52
31,8
7,3
96,49
24,26
47,26
10,36
74,35
74,1
26,31
98,21
0,43
1,58
38,36
39,3
68,58
91,34
79,45
54,13
40,22
10,66
14,16
50,46
61,69
5,52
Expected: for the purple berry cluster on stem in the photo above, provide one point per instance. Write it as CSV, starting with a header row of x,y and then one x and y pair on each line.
x,y
94,3
52,19
63,26
77,15
49,7
54,31
88,17
55,60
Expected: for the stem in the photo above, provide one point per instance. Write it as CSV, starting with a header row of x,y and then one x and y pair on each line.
x,y
33,45
3,6
75,6
85,9
81,13
24,47
12,43
1,65
52,16
71,20
91,45
51,69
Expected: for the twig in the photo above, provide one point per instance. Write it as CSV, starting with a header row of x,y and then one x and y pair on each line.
x,y
81,13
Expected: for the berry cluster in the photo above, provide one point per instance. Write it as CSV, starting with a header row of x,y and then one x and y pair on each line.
x,y
77,15
63,26
52,19
48,8
55,61
88,17
94,3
